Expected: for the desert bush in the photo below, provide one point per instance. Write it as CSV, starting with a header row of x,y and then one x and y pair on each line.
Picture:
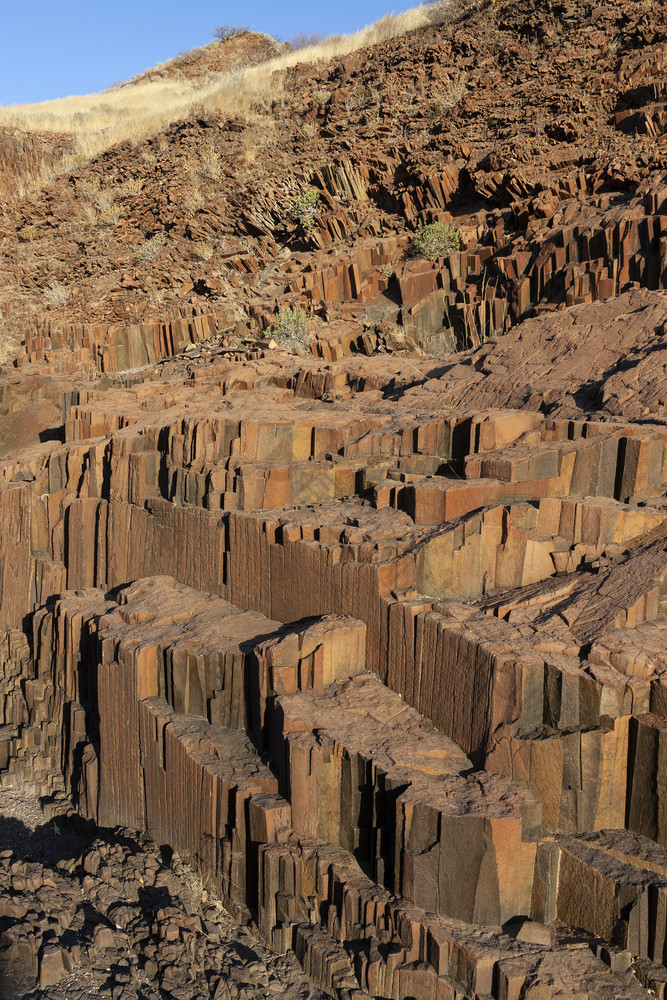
x,y
151,248
443,102
108,215
56,294
303,40
193,199
87,213
202,249
27,233
209,167
97,207
290,329
87,188
305,207
436,240
440,11
226,31
129,188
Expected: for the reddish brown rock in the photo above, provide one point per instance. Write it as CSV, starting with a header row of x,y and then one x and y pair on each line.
x,y
376,644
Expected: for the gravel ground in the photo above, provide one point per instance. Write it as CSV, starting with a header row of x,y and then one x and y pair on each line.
x,y
74,892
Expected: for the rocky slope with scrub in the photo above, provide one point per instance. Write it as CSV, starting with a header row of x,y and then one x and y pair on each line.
x,y
333,524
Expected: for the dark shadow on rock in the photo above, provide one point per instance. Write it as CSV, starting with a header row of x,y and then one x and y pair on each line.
x,y
16,979
53,434
245,953
154,898
14,834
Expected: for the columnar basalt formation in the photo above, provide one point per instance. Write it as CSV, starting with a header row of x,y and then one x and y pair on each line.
x,y
485,565
375,643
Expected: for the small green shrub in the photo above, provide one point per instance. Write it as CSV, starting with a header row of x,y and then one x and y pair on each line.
x,y
305,208
436,240
290,330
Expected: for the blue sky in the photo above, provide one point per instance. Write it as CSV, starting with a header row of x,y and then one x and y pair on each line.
x,y
53,49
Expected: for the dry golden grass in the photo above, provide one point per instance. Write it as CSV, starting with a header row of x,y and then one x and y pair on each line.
x,y
99,121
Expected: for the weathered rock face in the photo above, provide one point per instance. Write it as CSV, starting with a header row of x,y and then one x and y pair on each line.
x,y
484,564
376,643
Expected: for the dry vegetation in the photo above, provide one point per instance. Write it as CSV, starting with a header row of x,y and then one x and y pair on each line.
x,y
99,121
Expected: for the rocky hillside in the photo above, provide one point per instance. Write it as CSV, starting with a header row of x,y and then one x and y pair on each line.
x,y
333,523
521,124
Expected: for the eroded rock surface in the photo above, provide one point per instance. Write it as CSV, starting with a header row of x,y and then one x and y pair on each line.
x,y
368,638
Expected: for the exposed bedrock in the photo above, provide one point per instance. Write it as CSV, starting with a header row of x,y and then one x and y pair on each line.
x,y
354,767
384,673
371,634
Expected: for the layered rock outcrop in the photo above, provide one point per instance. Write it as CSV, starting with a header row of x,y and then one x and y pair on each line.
x,y
375,643
487,567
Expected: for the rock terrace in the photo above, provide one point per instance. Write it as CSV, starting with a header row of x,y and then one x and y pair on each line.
x,y
342,671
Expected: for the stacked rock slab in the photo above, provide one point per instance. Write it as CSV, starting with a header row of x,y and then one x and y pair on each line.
x,y
203,788
365,771
373,634
453,590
